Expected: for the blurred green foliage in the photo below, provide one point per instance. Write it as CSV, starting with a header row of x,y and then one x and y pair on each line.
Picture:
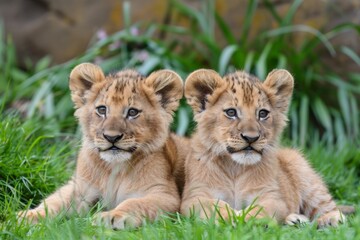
x,y
324,107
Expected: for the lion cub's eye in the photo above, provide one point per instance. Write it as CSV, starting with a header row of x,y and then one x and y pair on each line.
x,y
263,114
132,112
230,113
101,110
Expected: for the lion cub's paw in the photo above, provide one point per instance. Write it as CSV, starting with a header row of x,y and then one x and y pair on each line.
x,y
296,219
116,220
332,219
32,216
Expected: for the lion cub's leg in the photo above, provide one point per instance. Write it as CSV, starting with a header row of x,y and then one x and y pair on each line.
x,y
207,208
315,196
267,206
332,218
75,196
132,212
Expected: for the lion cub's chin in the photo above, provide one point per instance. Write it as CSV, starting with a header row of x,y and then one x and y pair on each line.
x,y
115,156
246,158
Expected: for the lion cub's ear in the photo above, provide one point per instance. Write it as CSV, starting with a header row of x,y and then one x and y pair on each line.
x,y
167,86
280,85
203,86
82,78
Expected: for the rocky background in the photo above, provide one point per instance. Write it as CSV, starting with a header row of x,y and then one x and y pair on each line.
x,y
64,29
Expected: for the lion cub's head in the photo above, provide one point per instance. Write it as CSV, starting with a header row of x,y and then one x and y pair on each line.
x,y
124,113
238,115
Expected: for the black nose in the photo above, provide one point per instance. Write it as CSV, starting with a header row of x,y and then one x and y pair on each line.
x,y
250,139
113,139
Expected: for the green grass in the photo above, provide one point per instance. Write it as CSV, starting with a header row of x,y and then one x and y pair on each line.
x,y
33,162
182,228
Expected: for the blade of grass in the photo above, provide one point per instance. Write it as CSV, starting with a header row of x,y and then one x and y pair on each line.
x,y
149,65
351,54
261,66
323,116
225,29
304,120
10,58
49,105
355,116
345,108
271,7
186,10
126,14
2,44
343,28
340,83
291,13
339,131
294,123
208,9
249,14
42,64
249,61
282,62
302,28
225,58
43,91
322,113
183,122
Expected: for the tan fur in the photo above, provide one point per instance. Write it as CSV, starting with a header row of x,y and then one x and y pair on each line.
x,y
220,171
136,181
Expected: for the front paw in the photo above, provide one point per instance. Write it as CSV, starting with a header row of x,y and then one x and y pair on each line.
x,y
32,216
116,220
332,218
296,219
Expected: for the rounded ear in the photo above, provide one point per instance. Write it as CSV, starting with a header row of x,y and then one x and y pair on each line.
x,y
280,85
168,85
82,78
202,84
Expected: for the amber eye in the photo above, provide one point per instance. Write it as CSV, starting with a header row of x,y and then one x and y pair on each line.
x,y
230,113
101,110
132,112
263,114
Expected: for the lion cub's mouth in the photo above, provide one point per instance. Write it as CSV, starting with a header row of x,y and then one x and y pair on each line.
x,y
232,150
248,148
115,148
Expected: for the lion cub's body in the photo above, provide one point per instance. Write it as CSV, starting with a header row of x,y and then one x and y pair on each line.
x,y
128,157
235,160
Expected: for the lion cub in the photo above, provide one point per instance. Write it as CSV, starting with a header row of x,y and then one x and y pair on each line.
x,y
235,158
128,157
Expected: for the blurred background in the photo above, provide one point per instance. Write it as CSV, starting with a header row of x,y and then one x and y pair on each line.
x,y
42,40
318,41
65,29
